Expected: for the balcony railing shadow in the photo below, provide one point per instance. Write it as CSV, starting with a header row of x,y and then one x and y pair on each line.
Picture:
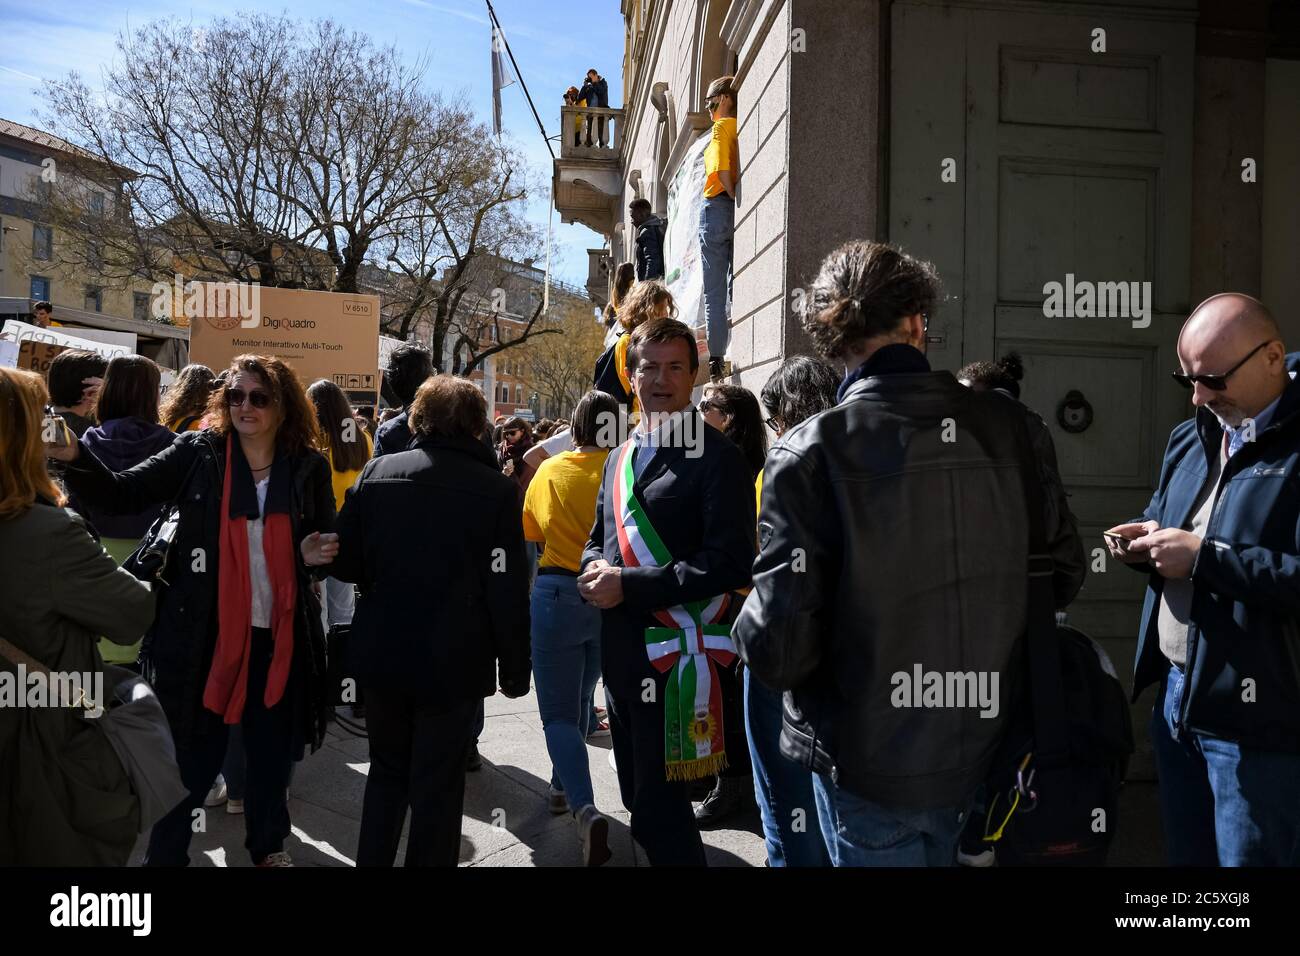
x,y
590,132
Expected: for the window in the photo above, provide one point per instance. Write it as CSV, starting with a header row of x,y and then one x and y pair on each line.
x,y
94,299
94,256
42,242
97,204
40,288
519,394
140,306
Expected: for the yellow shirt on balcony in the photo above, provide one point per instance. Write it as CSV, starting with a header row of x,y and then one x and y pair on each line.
x,y
577,120
721,153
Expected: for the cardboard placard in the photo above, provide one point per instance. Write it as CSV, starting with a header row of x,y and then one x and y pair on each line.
x,y
15,331
36,356
329,335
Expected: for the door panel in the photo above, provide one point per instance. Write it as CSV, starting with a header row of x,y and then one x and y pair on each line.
x,y
1072,163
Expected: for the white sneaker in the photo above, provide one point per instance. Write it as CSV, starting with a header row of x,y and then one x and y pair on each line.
x,y
612,765
234,806
277,859
217,795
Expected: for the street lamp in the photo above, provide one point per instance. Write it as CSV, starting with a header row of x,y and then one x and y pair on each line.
x,y
534,404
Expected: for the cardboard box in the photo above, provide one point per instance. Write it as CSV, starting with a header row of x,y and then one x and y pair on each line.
x,y
329,335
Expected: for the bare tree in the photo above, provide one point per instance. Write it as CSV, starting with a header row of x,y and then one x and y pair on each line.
x,y
561,366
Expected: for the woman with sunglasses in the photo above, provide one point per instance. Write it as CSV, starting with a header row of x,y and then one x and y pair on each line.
x,y
237,639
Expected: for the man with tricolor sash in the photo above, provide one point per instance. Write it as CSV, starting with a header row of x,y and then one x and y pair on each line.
x,y
673,537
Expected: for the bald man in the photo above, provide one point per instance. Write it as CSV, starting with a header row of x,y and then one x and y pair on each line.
x,y
1220,630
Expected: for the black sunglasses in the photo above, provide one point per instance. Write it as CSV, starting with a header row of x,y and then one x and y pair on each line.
x,y
773,423
1215,383
237,396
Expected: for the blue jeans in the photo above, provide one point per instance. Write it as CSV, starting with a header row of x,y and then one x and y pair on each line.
x,y
783,788
566,666
861,833
717,224
1222,804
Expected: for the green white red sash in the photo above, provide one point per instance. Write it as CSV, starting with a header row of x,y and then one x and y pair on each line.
x,y
686,647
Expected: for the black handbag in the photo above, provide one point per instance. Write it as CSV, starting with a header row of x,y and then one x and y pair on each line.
x,y
148,561
1053,793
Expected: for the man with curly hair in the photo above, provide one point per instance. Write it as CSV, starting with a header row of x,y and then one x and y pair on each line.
x,y
893,536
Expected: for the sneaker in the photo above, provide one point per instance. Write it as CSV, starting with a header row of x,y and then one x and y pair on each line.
x,y
595,836
475,760
971,848
726,799
234,806
600,730
218,794
715,369
556,801
613,765
277,859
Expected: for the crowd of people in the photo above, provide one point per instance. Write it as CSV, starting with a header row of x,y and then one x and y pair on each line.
x,y
746,575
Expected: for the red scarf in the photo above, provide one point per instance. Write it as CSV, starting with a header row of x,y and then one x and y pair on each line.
x,y
227,687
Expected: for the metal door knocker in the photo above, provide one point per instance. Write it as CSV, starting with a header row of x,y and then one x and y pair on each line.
x,y
1074,414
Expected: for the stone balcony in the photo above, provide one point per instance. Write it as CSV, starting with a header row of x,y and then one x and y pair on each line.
x,y
588,180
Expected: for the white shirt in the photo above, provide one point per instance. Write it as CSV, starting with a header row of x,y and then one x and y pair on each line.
x,y
258,577
560,441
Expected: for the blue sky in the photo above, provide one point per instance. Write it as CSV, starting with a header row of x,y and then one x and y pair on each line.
x,y
554,41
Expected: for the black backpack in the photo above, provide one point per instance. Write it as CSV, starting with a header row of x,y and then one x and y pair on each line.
x,y
1053,794
606,375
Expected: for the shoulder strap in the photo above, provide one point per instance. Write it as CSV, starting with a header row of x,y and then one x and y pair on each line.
x,y
18,656
1046,689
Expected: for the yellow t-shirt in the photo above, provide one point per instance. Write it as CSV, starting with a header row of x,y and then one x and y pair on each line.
x,y
758,492
343,480
560,506
721,153
620,366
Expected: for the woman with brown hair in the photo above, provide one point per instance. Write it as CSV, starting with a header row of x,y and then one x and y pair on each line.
x,y
434,537
187,399
238,638
347,445
624,277
127,434
647,300
64,798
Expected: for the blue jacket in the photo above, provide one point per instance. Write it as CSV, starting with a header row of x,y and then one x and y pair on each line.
x,y
1244,624
596,94
392,436
121,444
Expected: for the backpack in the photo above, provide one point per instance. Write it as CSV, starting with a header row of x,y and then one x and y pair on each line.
x,y
1053,793
606,377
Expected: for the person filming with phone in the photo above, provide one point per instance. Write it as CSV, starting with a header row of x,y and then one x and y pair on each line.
x,y
1220,628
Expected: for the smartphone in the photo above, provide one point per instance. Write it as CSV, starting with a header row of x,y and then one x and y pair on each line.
x,y
1120,542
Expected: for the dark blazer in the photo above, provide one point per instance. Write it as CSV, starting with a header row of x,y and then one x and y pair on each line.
x,y
434,538
1245,616
392,436
179,646
701,502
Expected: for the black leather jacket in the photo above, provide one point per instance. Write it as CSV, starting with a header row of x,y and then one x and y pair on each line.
x,y
893,533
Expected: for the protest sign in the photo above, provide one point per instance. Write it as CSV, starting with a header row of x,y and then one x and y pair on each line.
x,y
329,335
20,332
37,356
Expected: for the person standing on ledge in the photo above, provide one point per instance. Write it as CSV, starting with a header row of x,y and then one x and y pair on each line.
x,y
718,218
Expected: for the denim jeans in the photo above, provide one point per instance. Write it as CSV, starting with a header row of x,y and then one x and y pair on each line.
x,y
717,224
566,666
783,788
859,832
1222,804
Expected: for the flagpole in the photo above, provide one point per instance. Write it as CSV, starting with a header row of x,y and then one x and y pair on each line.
x,y
493,14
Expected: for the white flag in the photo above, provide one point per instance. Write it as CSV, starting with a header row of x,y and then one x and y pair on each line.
x,y
501,77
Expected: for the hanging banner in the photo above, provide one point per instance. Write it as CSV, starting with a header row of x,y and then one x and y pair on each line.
x,y
683,270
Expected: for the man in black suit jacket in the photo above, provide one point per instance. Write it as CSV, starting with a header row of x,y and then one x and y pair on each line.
x,y
697,493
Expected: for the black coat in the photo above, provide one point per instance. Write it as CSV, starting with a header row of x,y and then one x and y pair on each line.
x,y
702,506
180,645
595,93
650,249
434,539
